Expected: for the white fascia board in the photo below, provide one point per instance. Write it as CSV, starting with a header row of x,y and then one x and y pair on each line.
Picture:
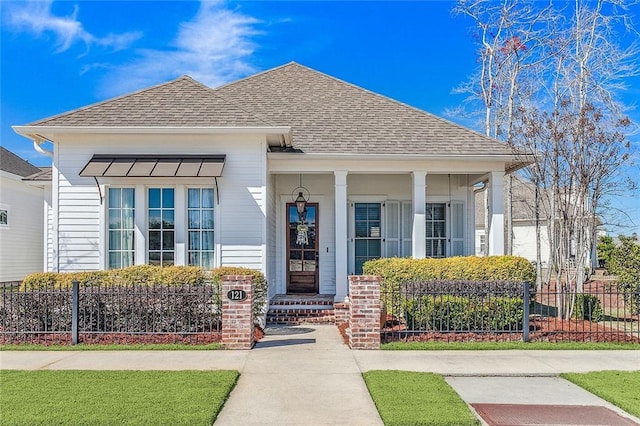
x,y
39,132
358,163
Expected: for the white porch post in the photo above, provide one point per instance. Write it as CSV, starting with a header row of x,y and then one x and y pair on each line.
x,y
180,231
496,214
419,243
342,285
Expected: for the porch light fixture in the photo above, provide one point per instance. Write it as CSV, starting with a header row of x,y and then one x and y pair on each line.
x,y
301,203
302,198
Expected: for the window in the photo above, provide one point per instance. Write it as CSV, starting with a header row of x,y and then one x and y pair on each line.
x,y
436,230
200,227
4,217
368,240
161,225
121,214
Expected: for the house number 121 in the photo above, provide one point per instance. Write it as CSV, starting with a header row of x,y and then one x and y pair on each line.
x,y
236,295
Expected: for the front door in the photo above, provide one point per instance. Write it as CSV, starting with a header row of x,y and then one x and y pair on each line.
x,y
302,250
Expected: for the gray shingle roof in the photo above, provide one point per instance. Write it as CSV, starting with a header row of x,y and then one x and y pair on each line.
x,y
326,115
44,175
11,163
183,102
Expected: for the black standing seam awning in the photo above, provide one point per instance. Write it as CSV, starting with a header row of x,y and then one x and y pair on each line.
x,y
154,165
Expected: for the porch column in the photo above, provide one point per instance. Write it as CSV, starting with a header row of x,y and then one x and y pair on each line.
x,y
419,236
342,285
496,213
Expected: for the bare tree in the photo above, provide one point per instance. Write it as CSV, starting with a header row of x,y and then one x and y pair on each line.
x,y
547,82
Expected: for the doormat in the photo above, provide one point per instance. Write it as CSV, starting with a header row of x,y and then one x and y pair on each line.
x,y
521,414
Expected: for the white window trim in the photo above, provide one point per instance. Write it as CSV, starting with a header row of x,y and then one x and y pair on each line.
x,y
216,221
443,199
141,225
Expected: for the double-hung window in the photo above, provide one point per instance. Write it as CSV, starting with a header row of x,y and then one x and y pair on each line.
x,y
368,238
200,227
436,225
121,214
161,225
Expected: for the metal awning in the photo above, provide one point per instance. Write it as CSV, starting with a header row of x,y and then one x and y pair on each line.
x,y
154,166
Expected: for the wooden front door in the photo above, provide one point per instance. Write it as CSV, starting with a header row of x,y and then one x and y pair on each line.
x,y
302,250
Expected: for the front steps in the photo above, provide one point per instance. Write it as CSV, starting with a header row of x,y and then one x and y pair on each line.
x,y
301,309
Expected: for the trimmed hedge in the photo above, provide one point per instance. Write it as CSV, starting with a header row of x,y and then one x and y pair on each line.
x,y
148,275
471,268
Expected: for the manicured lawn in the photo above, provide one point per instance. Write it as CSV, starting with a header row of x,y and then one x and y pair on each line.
x,y
408,398
621,388
114,347
480,346
113,397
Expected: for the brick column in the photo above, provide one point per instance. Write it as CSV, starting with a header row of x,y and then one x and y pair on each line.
x,y
364,312
237,316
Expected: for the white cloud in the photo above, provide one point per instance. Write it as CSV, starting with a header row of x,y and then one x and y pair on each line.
x,y
37,18
213,48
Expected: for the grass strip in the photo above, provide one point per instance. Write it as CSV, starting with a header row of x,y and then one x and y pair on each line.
x,y
621,388
409,398
47,397
485,346
113,347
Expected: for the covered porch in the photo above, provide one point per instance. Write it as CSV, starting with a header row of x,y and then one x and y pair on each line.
x,y
368,209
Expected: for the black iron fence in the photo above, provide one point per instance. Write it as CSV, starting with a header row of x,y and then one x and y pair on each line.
x,y
507,311
111,314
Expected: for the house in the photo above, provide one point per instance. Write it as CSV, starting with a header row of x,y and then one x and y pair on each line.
x,y
21,215
524,224
290,171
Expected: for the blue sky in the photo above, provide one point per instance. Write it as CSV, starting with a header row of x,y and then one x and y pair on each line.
x,y
61,55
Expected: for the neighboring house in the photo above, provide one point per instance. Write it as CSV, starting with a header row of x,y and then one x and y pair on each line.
x,y
184,174
524,223
21,218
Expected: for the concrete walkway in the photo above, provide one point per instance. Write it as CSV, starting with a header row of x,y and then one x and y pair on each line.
x,y
306,375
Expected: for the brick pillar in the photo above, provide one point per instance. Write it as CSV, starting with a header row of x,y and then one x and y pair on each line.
x,y
364,312
237,315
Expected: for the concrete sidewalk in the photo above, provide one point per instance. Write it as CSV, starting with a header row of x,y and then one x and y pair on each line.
x,y
306,375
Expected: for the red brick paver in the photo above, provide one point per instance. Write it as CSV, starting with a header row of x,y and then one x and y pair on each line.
x,y
520,414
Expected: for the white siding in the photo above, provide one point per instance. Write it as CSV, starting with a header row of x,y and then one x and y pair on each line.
x,y
22,239
524,242
240,234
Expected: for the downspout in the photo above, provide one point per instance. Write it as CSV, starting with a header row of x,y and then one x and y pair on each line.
x,y
37,142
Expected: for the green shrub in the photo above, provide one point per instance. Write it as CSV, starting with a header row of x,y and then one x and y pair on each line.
x,y
625,264
148,275
493,268
588,306
450,312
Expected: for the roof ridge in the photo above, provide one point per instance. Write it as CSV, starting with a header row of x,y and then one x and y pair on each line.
x,y
115,98
231,83
213,92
